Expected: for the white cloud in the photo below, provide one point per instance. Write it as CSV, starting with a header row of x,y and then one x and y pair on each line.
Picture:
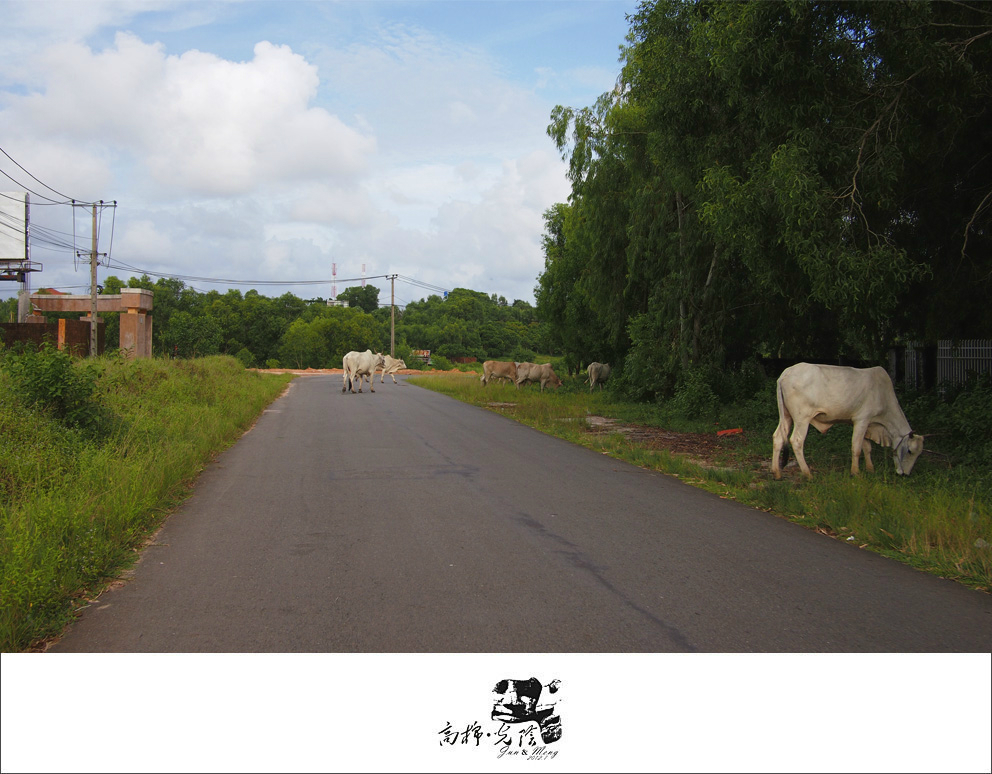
x,y
198,124
399,147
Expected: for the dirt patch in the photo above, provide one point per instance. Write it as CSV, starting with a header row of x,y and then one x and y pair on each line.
x,y
707,449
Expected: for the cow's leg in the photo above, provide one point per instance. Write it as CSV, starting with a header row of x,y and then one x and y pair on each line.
x,y
780,439
798,439
857,440
866,450
345,384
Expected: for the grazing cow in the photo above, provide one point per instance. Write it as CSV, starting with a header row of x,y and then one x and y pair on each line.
x,y
598,373
390,366
532,372
497,369
824,395
360,364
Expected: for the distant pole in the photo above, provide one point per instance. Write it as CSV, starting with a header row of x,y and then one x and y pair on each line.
x,y
93,258
392,316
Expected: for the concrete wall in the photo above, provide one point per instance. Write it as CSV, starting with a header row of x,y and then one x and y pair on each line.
x,y
71,335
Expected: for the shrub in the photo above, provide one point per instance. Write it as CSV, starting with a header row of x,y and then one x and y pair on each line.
x,y
49,379
245,357
523,355
694,397
441,363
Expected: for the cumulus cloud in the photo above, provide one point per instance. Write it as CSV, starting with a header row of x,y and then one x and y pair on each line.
x,y
197,124
400,149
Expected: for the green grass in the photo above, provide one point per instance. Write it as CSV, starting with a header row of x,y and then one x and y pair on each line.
x,y
938,520
76,504
79,498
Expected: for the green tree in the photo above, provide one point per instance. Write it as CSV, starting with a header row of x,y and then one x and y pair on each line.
x,y
563,298
193,335
793,178
364,298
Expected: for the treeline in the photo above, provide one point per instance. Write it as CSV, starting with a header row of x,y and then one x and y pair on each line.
x,y
808,180
291,332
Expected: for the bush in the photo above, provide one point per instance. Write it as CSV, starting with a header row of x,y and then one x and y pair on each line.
x,y
523,355
272,363
441,363
245,357
959,420
694,397
49,379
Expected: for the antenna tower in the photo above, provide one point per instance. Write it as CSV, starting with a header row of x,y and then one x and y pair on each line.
x,y
334,281
363,275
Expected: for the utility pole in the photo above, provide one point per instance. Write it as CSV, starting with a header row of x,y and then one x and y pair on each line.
x,y
93,262
392,315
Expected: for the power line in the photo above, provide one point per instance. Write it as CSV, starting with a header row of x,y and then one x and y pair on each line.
x,y
228,281
120,265
68,199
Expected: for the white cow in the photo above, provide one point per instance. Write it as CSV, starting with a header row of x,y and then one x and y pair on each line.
x,y
390,366
824,395
543,374
598,373
359,364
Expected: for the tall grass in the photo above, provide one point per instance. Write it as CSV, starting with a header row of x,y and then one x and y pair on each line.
x,y
78,500
938,520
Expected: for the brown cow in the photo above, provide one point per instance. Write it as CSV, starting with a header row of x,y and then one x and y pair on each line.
x,y
532,372
498,369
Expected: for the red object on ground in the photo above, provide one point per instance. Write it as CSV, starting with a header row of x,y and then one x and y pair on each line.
x,y
733,431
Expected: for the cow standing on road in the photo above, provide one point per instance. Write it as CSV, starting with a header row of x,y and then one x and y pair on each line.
x,y
359,364
390,366
824,395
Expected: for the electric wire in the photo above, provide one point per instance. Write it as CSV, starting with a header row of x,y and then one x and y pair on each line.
x,y
68,199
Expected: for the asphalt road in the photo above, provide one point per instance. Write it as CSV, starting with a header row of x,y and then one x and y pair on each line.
x,y
405,522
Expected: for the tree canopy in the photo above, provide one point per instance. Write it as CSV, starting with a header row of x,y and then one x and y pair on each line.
x,y
291,332
796,179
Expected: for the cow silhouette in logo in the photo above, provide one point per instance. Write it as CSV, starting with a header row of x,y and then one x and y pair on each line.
x,y
518,701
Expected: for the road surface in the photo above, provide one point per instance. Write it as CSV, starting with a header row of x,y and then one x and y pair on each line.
x,y
407,522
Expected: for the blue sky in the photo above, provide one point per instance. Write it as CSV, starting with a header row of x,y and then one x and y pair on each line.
x,y
270,141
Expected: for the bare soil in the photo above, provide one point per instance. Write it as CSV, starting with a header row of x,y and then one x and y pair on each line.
x,y
706,449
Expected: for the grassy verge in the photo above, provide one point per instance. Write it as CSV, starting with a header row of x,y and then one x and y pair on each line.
x,y
78,498
938,520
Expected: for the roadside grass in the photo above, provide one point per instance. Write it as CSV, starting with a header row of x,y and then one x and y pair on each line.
x,y
77,503
938,520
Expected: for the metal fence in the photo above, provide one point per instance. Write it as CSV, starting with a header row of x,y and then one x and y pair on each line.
x,y
949,362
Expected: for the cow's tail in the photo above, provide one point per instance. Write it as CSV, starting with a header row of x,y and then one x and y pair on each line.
x,y
784,421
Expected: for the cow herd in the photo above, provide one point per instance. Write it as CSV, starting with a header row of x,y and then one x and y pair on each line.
x,y
807,394
363,366
520,373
